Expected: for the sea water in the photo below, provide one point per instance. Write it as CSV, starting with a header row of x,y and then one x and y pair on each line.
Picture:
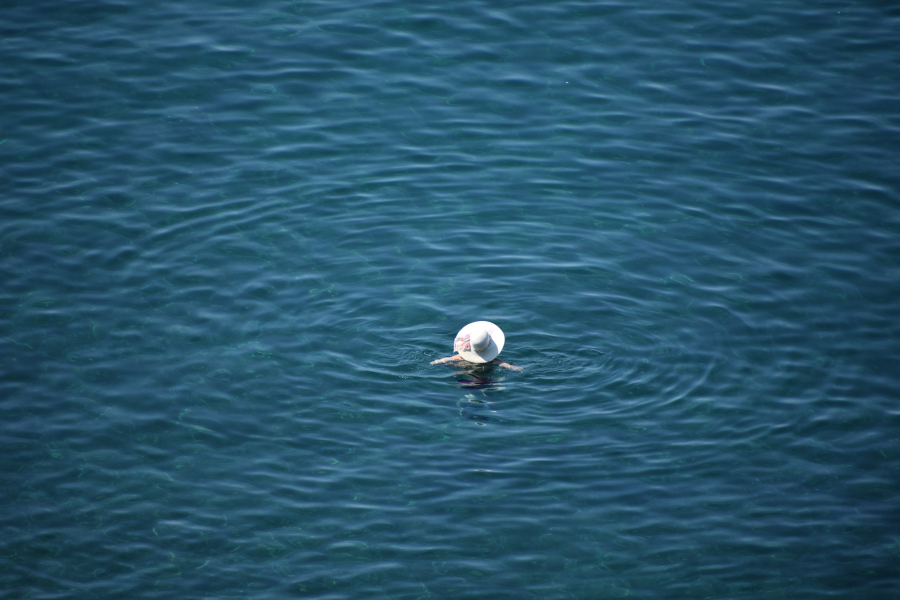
x,y
234,236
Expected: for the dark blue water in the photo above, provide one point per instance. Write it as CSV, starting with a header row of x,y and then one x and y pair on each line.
x,y
233,237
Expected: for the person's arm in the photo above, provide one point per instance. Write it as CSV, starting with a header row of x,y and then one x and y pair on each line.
x,y
507,365
441,361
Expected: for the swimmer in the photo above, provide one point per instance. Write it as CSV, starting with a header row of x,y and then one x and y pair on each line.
x,y
479,343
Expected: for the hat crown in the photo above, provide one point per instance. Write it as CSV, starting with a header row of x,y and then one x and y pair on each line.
x,y
479,338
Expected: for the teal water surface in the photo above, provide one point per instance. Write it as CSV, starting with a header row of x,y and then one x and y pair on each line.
x,y
233,238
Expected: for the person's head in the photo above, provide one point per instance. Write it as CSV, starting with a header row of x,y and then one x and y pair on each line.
x,y
479,342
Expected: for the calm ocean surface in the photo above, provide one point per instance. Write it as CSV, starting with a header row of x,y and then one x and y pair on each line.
x,y
233,236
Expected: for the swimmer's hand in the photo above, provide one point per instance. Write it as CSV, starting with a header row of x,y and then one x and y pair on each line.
x,y
441,361
507,365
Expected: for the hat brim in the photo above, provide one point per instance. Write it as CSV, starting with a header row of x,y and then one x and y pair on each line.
x,y
489,353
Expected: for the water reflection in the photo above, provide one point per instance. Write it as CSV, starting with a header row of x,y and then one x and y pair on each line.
x,y
480,381
477,408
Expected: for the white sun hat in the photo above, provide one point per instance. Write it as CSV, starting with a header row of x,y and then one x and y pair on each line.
x,y
479,342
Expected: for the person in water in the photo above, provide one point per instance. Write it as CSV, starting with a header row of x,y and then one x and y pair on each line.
x,y
479,343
